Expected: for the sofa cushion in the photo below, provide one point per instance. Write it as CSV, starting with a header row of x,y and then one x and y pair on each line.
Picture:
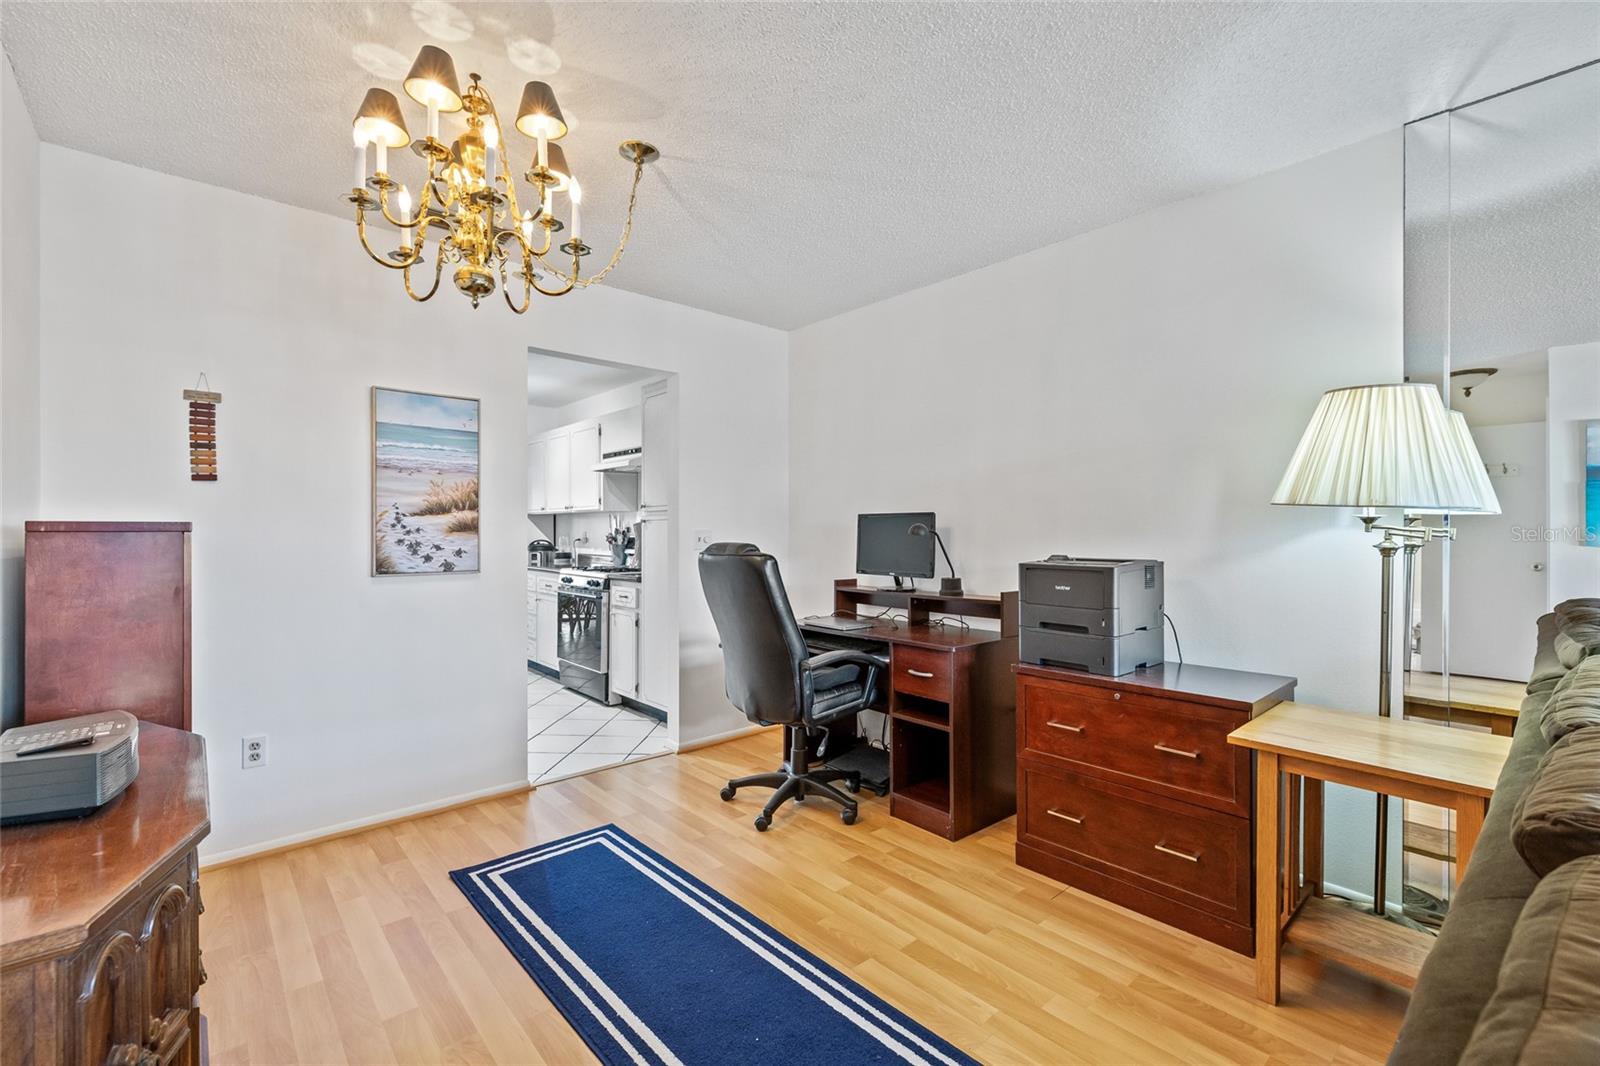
x,y
1569,650
1546,1003
1547,666
1457,977
1578,630
1580,609
1558,817
1574,702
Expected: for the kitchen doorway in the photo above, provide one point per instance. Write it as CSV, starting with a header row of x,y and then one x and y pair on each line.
x,y
602,621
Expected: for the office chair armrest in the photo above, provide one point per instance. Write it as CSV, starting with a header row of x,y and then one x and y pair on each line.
x,y
845,657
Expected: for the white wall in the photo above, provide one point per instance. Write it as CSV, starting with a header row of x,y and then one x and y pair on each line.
x,y
1494,588
1135,391
1574,399
378,695
19,373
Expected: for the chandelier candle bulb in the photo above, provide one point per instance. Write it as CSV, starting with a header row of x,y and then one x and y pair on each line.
x,y
361,164
382,166
433,120
544,150
577,199
405,216
491,152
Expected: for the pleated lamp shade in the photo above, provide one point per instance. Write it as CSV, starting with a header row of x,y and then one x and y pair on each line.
x,y
1391,446
1488,502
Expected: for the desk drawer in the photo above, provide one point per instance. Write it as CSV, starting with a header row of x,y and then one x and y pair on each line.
x,y
1188,854
1173,747
922,672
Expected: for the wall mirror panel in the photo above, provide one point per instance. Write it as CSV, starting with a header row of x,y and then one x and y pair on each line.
x,y
1502,274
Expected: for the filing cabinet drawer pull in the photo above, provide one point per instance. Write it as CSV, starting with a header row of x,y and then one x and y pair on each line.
x,y
1184,855
919,673
1065,817
1065,726
1178,751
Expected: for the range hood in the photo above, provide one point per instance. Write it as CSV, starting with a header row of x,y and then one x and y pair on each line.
x,y
621,461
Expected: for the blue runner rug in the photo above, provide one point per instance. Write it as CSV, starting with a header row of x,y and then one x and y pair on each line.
x,y
652,966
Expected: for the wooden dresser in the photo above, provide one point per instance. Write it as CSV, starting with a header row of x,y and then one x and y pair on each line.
x,y
99,921
1127,788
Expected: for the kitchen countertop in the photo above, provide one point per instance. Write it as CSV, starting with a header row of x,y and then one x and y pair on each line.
x,y
548,569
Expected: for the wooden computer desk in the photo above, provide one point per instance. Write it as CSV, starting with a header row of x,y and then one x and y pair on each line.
x,y
1296,743
951,704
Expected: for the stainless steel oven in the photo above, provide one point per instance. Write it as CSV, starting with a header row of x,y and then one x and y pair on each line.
x,y
581,651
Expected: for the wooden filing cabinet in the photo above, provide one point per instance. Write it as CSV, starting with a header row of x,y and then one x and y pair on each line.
x,y
1128,788
99,922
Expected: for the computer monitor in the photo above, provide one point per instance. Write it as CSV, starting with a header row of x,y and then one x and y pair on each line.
x,y
886,545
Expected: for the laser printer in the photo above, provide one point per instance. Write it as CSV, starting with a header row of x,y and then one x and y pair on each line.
x,y
68,767
1101,616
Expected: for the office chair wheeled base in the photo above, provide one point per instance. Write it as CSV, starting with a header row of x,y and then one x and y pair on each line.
x,y
796,781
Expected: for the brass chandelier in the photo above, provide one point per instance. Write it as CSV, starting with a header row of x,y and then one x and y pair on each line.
x,y
470,194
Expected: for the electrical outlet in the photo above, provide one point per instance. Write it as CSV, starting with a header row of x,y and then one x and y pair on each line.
x,y
702,539
253,752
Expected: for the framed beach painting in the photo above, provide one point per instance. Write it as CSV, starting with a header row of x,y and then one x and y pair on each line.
x,y
424,483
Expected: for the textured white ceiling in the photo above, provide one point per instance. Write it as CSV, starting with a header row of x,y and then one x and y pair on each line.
x,y
815,156
555,381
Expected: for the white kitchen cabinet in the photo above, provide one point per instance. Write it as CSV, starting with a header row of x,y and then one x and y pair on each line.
x,y
562,478
538,497
622,637
546,624
621,436
583,455
657,682
533,617
558,471
659,440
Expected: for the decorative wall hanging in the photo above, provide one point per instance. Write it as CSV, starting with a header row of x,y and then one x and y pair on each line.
x,y
424,483
202,431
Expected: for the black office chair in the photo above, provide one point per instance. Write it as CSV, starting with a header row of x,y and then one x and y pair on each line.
x,y
775,680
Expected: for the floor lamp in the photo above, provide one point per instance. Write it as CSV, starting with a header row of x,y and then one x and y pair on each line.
x,y
1388,447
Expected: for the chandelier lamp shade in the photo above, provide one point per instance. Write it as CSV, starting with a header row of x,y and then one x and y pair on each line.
x,y
465,213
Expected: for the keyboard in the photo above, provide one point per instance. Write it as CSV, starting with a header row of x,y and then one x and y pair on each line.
x,y
821,642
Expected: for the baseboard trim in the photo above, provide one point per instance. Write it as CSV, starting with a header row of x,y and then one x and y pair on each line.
x,y
720,738
1363,899
360,825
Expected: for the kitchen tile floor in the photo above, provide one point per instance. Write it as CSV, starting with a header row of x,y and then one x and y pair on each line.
x,y
569,734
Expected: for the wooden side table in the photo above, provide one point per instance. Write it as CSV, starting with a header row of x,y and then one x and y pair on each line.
x,y
1481,701
1303,746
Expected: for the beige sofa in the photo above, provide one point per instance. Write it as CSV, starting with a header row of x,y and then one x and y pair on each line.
x,y
1515,974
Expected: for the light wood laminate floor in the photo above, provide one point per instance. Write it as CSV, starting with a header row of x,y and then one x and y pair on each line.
x,y
361,949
